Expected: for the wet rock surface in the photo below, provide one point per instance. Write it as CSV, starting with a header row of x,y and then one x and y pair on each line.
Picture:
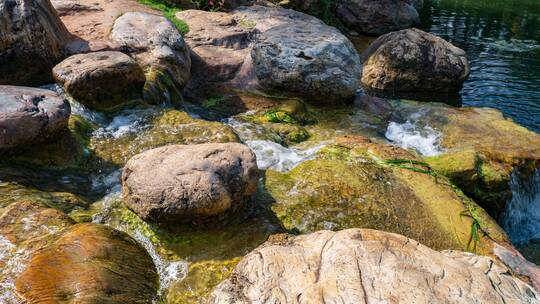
x,y
29,116
413,61
101,80
377,17
160,50
273,49
183,184
90,263
33,41
360,266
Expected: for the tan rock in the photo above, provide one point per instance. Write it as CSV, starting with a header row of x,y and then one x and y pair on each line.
x,y
367,266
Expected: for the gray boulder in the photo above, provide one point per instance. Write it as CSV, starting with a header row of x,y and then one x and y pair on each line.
x,y
366,266
29,116
101,80
411,61
272,49
32,41
190,183
377,17
160,50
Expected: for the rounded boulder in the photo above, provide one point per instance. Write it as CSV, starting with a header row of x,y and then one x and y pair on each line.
x,y
190,183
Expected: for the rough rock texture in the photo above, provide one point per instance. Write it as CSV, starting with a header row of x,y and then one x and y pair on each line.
x,y
413,61
159,48
32,41
29,116
367,266
377,17
271,48
101,80
90,263
180,184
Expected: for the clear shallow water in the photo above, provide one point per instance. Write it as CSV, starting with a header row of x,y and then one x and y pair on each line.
x,y
502,40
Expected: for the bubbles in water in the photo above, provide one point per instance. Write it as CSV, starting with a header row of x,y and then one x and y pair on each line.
x,y
271,155
411,135
521,219
13,261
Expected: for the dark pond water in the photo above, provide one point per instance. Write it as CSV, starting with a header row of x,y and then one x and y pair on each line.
x,y
502,40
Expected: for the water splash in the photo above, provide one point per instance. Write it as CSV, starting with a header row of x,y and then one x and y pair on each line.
x,y
413,135
521,219
271,155
128,122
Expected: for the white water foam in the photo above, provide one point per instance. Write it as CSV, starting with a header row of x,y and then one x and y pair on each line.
x,y
271,155
410,135
131,121
521,219
13,261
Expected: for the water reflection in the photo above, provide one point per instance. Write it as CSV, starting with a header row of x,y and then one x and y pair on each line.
x,y
502,40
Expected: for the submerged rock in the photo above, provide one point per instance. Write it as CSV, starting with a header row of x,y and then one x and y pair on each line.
x,y
377,17
361,266
192,183
90,263
159,48
413,61
33,41
30,116
101,80
271,48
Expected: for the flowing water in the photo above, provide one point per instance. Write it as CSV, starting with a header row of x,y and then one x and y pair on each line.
x,y
502,41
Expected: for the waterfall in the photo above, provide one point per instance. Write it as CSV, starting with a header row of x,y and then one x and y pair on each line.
x,y
521,218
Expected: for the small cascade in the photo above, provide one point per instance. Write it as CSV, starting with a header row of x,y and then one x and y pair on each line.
x,y
271,155
521,219
414,135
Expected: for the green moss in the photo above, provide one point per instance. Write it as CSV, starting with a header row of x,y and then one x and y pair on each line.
x,y
169,10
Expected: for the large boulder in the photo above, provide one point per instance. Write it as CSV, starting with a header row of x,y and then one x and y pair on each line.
x,y
192,183
366,266
90,263
101,80
413,61
158,47
32,41
272,49
377,17
29,116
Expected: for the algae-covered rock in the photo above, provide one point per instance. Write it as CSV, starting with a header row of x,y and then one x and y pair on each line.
x,y
479,147
90,263
359,183
165,127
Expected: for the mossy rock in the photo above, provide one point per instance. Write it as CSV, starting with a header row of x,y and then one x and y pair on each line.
x,y
168,126
358,184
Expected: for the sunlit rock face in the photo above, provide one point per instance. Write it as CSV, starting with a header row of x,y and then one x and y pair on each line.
x,y
33,41
273,49
116,269
361,266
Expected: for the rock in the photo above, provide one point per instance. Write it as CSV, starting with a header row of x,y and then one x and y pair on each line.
x,y
164,128
181,184
90,263
377,17
29,116
413,61
67,7
101,80
159,48
363,266
33,40
360,183
272,49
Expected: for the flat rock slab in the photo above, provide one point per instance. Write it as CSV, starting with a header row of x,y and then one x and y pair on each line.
x,y
190,183
101,80
367,266
29,116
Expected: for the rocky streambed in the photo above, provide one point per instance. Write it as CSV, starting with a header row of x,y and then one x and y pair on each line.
x,y
242,162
